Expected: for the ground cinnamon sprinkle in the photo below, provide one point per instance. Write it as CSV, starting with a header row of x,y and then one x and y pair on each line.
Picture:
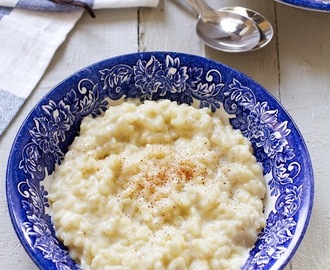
x,y
162,173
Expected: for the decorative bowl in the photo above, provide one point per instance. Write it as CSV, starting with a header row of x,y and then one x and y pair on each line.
x,y
50,128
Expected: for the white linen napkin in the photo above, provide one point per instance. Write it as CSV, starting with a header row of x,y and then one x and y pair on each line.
x,y
29,38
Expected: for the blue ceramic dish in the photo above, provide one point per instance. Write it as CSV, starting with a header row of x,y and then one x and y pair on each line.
x,y
46,133
316,5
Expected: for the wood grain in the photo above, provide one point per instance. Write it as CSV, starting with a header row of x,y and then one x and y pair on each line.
x,y
304,47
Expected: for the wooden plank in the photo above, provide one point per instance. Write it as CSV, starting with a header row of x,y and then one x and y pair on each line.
x,y
304,53
169,27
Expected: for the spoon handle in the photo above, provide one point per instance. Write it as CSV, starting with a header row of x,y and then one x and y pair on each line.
x,y
200,6
192,3
204,9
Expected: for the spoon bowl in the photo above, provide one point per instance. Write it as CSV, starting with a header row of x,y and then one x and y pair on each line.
x,y
264,26
228,31
232,29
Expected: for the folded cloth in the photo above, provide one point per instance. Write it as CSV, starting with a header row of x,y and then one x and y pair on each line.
x,y
96,4
28,40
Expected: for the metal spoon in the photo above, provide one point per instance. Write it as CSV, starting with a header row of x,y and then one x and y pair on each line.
x,y
264,26
224,29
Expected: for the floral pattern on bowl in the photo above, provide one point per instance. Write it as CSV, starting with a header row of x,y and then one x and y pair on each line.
x,y
45,135
316,5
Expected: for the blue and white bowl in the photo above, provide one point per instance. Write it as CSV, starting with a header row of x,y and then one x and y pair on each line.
x,y
50,128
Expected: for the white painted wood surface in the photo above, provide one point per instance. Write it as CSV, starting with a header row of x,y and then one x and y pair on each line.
x,y
294,67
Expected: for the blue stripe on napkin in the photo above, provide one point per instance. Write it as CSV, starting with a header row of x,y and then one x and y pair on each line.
x,y
4,11
48,5
8,100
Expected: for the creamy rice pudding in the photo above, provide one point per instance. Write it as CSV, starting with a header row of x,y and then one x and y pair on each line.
x,y
158,186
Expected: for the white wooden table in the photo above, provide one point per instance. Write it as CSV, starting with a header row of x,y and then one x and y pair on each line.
x,y
294,67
